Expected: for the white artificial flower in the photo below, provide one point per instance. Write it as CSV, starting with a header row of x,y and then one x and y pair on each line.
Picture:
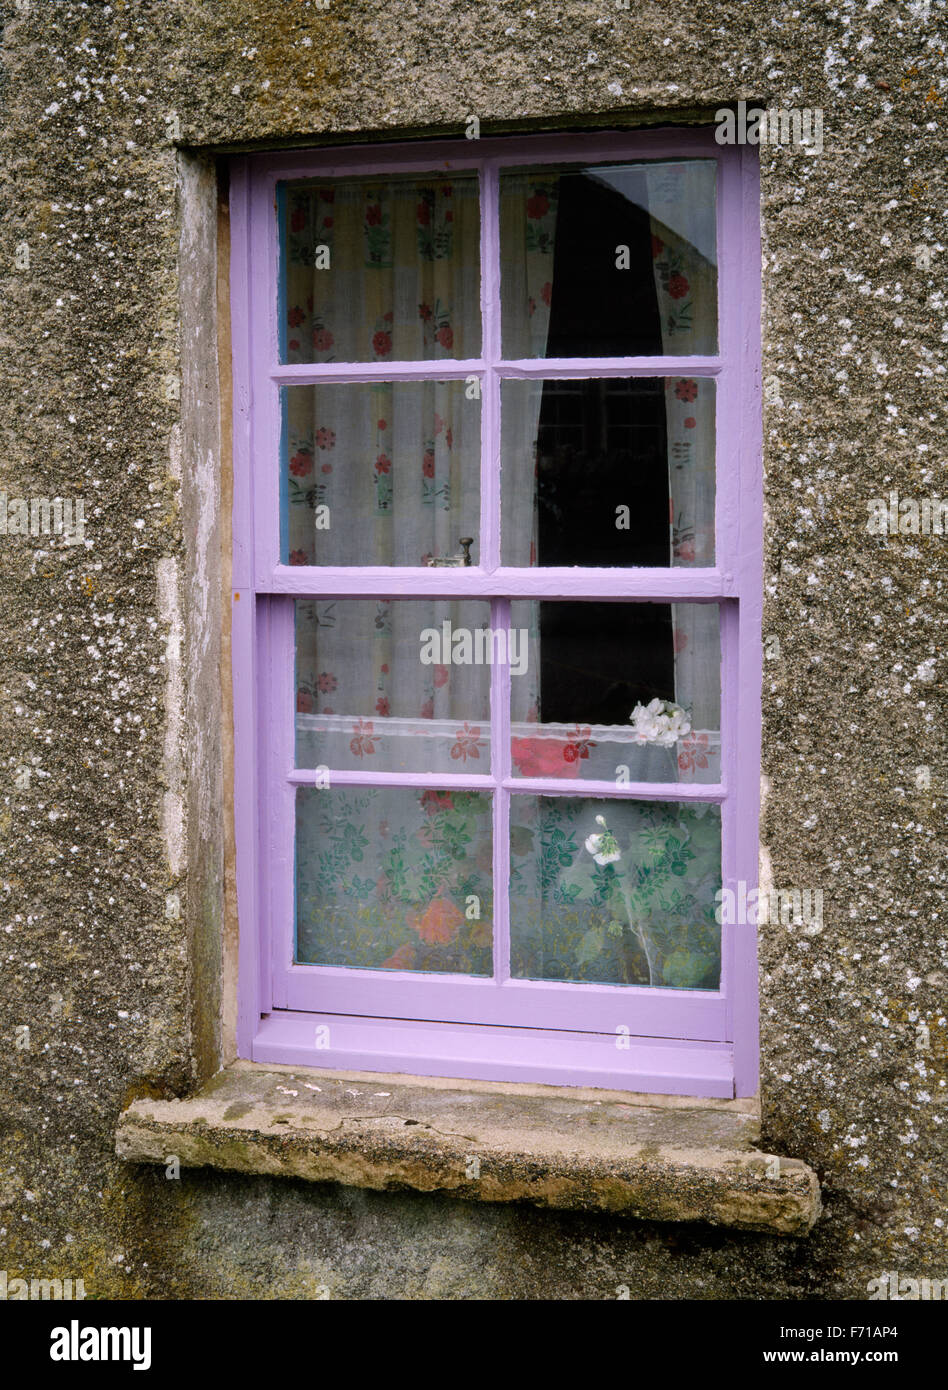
x,y
660,722
603,848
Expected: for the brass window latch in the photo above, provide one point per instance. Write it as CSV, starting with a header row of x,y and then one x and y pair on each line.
x,y
454,561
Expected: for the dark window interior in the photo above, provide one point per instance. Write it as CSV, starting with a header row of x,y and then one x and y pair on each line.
x,y
602,445
598,660
598,310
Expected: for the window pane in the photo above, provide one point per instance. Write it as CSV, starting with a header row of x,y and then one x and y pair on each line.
x,y
609,261
381,474
615,892
626,692
390,878
380,269
393,685
608,472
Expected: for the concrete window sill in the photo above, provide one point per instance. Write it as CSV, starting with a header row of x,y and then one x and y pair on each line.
x,y
652,1157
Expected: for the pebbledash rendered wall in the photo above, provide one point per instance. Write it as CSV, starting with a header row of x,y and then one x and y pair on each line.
x,y
113,827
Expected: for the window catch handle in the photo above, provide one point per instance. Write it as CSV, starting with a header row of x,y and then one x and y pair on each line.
x,y
454,561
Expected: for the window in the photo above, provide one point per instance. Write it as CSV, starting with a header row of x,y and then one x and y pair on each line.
x,y
496,609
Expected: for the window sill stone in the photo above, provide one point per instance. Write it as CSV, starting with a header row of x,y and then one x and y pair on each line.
x,y
651,1157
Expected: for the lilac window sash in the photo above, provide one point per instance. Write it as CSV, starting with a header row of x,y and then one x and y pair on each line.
x,y
679,1041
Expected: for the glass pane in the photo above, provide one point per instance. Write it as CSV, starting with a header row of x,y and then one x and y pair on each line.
x,y
612,260
393,685
608,472
381,474
391,878
380,269
615,892
623,692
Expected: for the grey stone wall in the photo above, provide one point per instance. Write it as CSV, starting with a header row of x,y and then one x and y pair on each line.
x,y
113,829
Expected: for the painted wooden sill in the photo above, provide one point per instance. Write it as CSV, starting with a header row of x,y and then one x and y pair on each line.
x,y
655,1158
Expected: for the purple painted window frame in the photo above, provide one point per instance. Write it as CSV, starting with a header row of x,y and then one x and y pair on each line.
x,y
685,1042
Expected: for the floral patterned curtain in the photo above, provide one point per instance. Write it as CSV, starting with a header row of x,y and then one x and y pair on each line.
x,y
400,879
528,211
382,271
682,213
384,876
376,273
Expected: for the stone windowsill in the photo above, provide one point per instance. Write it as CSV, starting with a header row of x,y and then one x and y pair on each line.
x,y
652,1157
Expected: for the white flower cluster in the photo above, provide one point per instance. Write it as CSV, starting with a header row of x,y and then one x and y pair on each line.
x,y
603,848
660,722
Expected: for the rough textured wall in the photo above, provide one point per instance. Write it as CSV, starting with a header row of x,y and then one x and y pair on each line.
x,y
109,912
